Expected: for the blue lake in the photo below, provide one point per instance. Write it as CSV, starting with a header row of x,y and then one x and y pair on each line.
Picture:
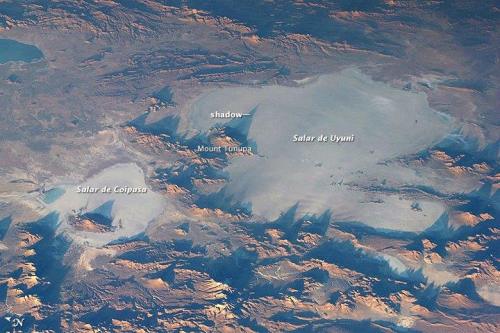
x,y
11,50
52,195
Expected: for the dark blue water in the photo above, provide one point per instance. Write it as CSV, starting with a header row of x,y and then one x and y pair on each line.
x,y
52,195
11,50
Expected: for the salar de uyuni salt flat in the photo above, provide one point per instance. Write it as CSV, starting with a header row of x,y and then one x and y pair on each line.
x,y
362,125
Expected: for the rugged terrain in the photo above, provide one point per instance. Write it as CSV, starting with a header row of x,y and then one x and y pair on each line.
x,y
115,80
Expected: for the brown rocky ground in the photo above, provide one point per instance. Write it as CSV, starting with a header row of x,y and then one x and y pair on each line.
x,y
217,268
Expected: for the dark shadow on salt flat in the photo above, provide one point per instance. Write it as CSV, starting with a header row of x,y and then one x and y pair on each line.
x,y
167,125
344,254
439,233
134,238
102,214
239,128
440,228
287,222
104,210
361,230
165,95
317,224
482,200
478,202
468,149
428,296
291,225
465,287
